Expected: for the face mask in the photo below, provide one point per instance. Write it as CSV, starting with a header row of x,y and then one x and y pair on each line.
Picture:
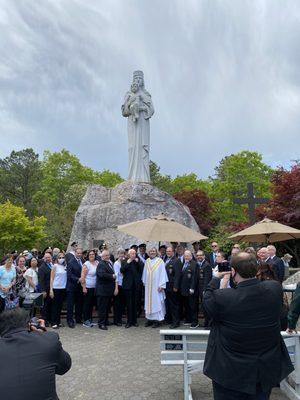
x,y
61,260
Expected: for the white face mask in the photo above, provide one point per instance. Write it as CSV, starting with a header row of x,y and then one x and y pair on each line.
x,y
61,260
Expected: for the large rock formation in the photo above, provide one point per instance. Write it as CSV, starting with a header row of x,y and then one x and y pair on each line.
x,y
103,209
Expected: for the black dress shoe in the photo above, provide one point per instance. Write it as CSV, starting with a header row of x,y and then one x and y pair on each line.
x,y
155,324
174,326
71,325
103,327
128,325
148,323
117,324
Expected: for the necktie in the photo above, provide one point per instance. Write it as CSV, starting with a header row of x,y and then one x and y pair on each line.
x,y
185,266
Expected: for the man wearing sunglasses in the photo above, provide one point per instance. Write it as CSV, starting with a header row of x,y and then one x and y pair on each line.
x,y
212,256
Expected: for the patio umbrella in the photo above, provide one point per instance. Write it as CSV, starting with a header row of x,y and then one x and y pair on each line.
x,y
159,229
267,231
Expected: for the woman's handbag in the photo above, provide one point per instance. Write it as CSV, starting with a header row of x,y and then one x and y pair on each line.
x,y
11,301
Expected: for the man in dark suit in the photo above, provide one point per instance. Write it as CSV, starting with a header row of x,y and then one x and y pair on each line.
x,y
204,277
245,334
189,289
173,269
162,252
74,289
106,288
44,273
31,359
132,270
276,262
142,255
71,254
212,256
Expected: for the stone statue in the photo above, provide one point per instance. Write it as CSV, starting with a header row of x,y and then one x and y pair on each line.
x,y
139,109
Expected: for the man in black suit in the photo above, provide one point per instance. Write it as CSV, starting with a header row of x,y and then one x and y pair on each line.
x,y
44,273
71,254
189,289
106,288
276,262
142,255
204,277
212,256
245,334
162,252
132,270
74,289
31,359
173,269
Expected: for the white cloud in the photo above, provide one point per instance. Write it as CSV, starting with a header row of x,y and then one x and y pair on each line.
x,y
224,76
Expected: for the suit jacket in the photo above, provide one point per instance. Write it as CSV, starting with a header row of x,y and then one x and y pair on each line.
x,y
210,259
245,335
44,273
68,257
173,269
204,275
105,283
189,278
132,273
278,266
73,274
31,361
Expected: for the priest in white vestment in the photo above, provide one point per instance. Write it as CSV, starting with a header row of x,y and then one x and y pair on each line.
x,y
154,279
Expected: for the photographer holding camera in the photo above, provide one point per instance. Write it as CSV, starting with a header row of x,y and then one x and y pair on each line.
x,y
31,356
246,356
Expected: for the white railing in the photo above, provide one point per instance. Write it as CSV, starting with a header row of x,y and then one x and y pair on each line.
x,y
187,348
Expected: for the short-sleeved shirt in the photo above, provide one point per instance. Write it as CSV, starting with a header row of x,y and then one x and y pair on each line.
x,y
6,277
33,274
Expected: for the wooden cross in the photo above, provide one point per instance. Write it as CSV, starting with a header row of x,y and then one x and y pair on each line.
x,y
251,200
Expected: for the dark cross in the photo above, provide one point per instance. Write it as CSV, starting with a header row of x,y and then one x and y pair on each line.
x,y
251,200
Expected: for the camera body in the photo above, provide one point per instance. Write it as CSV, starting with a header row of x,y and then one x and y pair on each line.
x,y
224,267
34,322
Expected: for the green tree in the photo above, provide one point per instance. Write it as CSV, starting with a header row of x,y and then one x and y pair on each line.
x,y
230,181
163,182
188,182
63,184
17,231
20,175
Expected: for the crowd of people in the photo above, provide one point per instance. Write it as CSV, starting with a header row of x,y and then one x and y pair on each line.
x,y
167,284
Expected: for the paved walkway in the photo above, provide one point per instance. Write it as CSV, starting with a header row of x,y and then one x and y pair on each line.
x,y
123,364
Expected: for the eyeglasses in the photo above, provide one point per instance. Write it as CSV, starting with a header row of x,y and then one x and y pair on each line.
x,y
214,245
61,258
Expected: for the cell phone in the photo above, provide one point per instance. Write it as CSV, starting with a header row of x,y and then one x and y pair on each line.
x,y
224,267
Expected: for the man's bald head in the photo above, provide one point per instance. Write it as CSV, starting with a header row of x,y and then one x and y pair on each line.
x,y
105,255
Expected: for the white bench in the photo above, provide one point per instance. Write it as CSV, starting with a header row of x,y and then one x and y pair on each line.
x,y
187,348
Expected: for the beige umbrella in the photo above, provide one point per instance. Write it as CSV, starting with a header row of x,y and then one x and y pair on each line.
x,y
161,229
267,231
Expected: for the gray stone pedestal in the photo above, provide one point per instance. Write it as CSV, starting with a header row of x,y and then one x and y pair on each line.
x,y
103,209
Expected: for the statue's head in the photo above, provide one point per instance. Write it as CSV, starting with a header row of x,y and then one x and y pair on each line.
x,y
138,78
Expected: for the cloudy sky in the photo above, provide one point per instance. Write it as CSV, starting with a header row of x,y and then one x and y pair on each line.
x,y
224,76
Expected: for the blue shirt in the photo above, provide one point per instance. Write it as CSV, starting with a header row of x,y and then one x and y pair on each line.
x,y
6,277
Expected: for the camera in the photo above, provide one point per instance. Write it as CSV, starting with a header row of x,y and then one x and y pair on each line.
x,y
34,322
224,266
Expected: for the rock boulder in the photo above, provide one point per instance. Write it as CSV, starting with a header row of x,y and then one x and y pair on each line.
x,y
103,209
